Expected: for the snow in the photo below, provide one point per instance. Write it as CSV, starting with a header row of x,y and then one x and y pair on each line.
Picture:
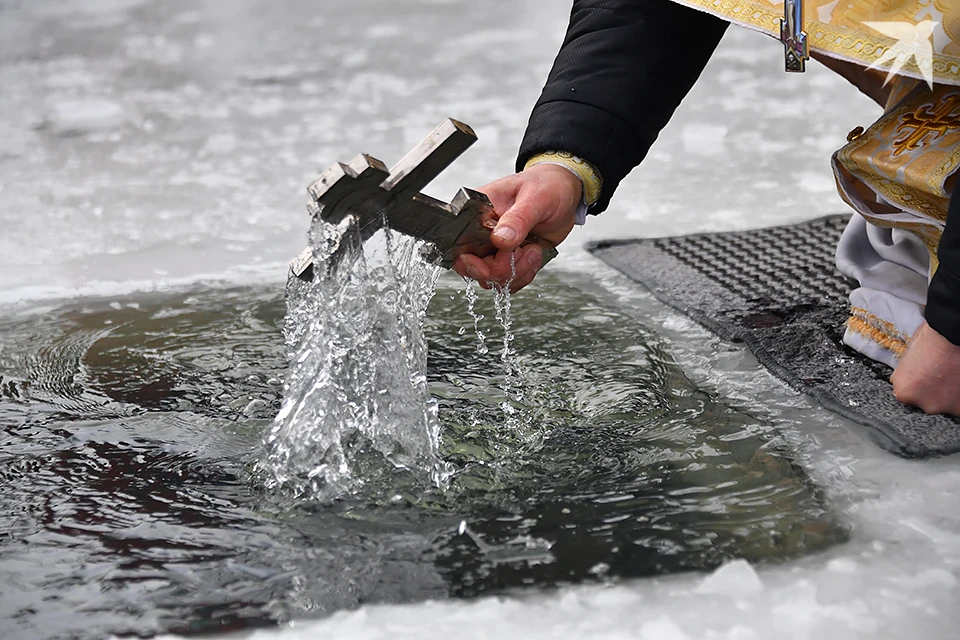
x,y
733,578
702,138
80,116
151,145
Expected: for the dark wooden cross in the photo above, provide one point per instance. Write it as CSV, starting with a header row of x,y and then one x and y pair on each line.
x,y
796,49
375,196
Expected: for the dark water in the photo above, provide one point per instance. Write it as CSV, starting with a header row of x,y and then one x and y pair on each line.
x,y
131,427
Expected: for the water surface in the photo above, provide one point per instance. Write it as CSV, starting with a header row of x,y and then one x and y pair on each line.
x,y
132,426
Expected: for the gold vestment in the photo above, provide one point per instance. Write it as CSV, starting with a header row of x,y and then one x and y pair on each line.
x,y
900,171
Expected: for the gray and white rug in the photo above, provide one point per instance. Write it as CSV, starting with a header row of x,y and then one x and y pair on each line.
x,y
778,291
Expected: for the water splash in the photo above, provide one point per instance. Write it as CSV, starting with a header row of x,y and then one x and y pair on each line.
x,y
470,293
512,385
524,548
356,404
511,376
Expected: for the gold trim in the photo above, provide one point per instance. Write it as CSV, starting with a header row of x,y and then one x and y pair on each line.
x,y
907,157
862,46
589,175
878,330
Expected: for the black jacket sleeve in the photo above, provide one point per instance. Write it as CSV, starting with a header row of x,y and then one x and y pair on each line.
x,y
943,296
622,70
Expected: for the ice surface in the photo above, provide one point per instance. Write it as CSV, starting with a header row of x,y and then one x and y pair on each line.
x,y
81,116
662,628
701,138
733,578
182,135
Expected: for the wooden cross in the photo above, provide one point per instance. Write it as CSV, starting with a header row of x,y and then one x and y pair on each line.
x,y
375,196
796,49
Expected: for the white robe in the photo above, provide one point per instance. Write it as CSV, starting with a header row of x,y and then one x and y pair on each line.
x,y
892,267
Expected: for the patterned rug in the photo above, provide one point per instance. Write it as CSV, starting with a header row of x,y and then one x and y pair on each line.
x,y
778,291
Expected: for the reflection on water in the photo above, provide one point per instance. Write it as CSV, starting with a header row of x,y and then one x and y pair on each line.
x,y
130,430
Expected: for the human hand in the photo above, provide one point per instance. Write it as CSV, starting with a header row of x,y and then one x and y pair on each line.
x,y
928,374
542,200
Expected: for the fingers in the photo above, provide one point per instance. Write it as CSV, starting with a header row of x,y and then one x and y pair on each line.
x,y
502,192
545,200
496,269
927,374
517,221
927,395
913,395
528,264
542,199
474,267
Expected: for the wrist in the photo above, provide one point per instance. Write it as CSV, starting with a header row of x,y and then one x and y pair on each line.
x,y
591,182
565,184
569,182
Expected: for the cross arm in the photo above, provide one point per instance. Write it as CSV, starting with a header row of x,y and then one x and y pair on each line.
x,y
366,190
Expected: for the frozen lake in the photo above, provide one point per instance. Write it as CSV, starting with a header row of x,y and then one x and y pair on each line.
x,y
151,147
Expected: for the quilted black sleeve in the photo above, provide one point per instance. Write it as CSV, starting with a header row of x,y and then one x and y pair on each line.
x,y
622,70
943,296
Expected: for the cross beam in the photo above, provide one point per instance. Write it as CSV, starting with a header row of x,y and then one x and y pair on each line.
x,y
375,196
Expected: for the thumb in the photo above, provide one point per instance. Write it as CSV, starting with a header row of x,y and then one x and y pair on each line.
x,y
517,221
